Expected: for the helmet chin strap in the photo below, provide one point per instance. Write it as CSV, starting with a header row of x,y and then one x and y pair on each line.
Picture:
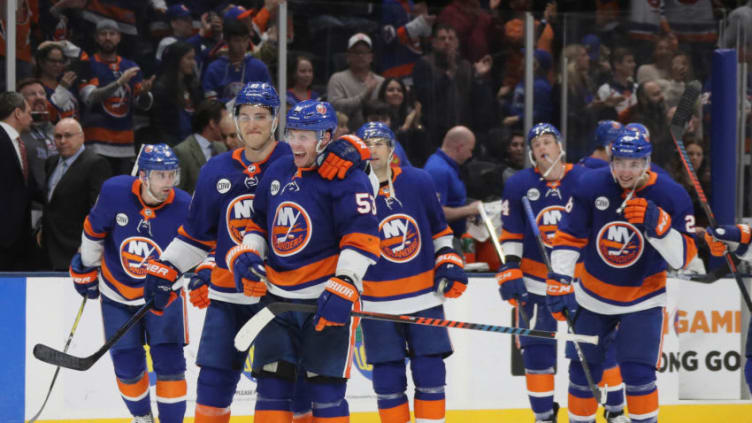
x,y
634,186
320,146
551,167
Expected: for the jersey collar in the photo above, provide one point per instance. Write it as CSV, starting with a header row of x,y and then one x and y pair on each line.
x,y
251,168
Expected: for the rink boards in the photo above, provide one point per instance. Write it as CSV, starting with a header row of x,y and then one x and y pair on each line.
x,y
701,355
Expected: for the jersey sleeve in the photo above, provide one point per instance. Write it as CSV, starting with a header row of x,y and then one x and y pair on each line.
x,y
101,218
200,227
355,219
512,217
574,228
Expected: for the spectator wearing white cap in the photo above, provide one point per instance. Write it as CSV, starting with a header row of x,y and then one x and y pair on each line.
x,y
351,88
181,24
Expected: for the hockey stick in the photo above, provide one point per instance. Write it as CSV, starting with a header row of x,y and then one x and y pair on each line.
x,y
598,393
682,115
57,370
61,358
497,246
250,330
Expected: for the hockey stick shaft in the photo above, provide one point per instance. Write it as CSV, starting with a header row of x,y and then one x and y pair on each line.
x,y
681,116
598,393
65,349
63,359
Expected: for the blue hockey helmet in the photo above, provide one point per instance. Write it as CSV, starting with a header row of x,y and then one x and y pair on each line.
x,y
638,127
260,94
607,132
371,130
632,145
540,129
157,157
312,115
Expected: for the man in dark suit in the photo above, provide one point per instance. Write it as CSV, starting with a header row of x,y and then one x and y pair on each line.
x,y
17,188
74,178
205,142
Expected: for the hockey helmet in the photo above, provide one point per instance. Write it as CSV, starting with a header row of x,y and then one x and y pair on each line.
x,y
607,132
632,145
638,127
372,130
157,157
311,115
259,94
540,129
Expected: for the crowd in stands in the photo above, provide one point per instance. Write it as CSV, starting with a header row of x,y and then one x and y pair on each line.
x,y
115,74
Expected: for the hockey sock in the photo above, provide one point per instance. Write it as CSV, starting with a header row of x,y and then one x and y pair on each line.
x,y
615,388
273,401
539,376
169,365
390,383
301,400
329,403
642,393
214,394
429,375
132,379
582,406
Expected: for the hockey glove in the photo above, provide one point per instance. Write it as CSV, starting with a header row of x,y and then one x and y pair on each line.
x,y
160,276
248,269
737,238
335,303
449,276
85,279
341,156
198,286
645,213
511,286
560,295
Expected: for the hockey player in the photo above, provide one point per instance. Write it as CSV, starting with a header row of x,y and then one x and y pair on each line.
x,y
132,221
548,186
320,237
605,134
623,272
737,238
418,268
221,207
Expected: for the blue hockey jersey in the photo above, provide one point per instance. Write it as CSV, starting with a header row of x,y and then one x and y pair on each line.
x,y
131,233
409,220
622,270
548,201
222,206
307,221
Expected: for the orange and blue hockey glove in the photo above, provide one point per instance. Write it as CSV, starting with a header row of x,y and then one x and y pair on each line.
x,y
341,156
511,286
560,295
198,286
645,213
736,237
248,270
336,302
85,279
160,277
449,276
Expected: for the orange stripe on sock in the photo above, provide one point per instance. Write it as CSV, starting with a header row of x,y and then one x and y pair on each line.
x,y
171,388
539,382
643,404
611,377
272,416
429,409
582,407
209,414
398,414
134,390
302,418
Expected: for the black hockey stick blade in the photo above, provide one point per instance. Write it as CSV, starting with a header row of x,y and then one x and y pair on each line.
x,y
59,358
685,108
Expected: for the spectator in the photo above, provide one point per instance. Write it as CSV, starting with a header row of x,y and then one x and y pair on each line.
x,y
225,76
300,78
39,140
514,159
203,144
583,108
681,73
75,176
342,125
661,66
405,116
176,94
403,26
444,168
650,110
618,94
181,24
350,89
378,111
472,25
542,107
229,132
115,86
58,83
16,187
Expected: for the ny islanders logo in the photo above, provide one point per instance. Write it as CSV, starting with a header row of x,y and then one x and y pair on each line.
x,y
118,104
400,238
548,220
291,230
620,244
134,253
239,213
